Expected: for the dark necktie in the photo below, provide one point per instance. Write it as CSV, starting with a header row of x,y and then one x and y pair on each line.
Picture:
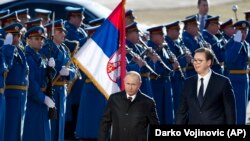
x,y
200,94
130,99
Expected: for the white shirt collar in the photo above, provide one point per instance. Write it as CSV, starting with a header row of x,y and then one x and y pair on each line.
x,y
207,76
133,96
205,81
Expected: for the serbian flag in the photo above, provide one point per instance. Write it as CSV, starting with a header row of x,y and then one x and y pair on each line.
x,y
102,57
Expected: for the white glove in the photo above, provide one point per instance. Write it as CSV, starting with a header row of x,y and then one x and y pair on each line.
x,y
49,102
8,39
51,62
238,36
64,71
248,113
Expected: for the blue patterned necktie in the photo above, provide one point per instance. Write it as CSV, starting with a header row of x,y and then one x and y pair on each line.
x,y
200,94
202,24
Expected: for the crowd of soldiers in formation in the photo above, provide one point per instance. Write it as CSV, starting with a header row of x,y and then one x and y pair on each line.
x,y
36,53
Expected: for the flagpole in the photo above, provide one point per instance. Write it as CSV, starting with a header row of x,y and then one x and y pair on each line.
x,y
122,47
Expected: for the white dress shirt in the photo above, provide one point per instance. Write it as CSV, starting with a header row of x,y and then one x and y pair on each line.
x,y
133,97
205,81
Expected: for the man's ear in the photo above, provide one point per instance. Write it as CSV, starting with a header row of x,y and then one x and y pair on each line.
x,y
209,62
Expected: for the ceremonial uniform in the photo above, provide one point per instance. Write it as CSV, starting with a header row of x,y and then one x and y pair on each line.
x,y
16,85
75,32
189,38
236,62
133,66
209,36
178,78
61,54
162,87
3,72
37,123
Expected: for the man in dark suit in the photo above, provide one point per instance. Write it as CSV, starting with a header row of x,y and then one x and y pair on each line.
x,y
207,98
203,9
129,112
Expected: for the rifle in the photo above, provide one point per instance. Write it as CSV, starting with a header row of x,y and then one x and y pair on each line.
x,y
49,91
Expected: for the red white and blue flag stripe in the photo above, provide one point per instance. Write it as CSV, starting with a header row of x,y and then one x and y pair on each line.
x,y
102,57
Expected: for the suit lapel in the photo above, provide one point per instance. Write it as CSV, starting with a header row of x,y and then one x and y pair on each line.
x,y
195,90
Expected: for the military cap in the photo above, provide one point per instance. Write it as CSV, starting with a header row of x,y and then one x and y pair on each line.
x,y
58,24
228,22
247,14
74,10
4,12
36,31
42,11
242,25
13,28
96,22
190,20
91,30
213,19
23,12
34,22
132,27
173,25
12,17
130,13
156,30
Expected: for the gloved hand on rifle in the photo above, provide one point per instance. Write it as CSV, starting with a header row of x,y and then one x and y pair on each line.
x,y
52,62
238,36
49,102
8,39
64,71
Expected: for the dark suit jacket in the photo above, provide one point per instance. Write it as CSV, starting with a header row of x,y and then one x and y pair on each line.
x,y
218,106
129,121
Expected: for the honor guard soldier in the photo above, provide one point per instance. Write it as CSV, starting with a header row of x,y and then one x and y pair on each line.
x,y
227,29
16,84
190,39
3,72
44,14
9,19
73,24
65,72
236,62
129,17
37,122
247,17
184,58
23,15
138,62
212,27
162,88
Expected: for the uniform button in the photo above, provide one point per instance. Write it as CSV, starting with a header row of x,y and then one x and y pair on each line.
x,y
22,93
200,112
126,114
22,82
124,129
